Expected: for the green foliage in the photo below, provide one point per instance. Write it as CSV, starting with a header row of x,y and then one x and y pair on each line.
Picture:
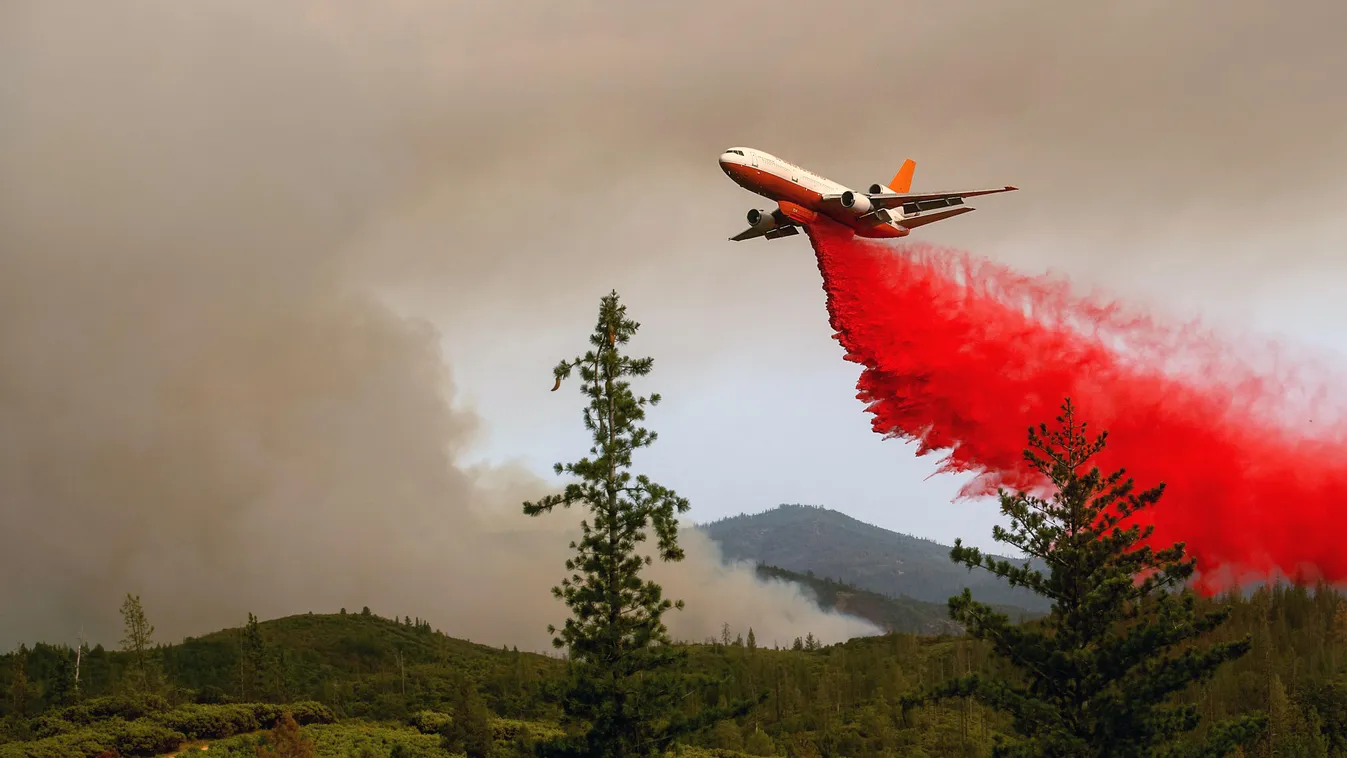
x,y
1099,675
622,680
842,698
129,738
64,690
468,730
351,663
128,707
254,652
143,725
344,740
21,693
217,721
613,608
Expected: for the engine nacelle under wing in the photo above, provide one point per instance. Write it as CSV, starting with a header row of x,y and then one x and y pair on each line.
x,y
857,204
763,221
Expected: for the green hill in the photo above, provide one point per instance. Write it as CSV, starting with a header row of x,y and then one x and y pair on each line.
x,y
361,665
803,538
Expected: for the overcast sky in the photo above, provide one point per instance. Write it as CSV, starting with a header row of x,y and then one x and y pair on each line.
x,y
200,201
1187,155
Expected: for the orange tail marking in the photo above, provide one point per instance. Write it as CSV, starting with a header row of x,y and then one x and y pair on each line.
x,y
902,181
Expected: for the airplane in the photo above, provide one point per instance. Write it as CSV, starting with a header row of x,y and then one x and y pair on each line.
x,y
886,211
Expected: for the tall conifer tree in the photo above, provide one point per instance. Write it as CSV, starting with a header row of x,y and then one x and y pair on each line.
x,y
137,639
625,685
1100,671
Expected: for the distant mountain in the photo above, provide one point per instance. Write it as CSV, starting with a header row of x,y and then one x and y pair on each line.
x,y
806,538
891,614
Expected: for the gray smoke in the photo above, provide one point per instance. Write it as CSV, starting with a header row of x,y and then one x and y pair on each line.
x,y
202,398
243,244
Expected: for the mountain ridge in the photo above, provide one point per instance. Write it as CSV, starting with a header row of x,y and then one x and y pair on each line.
x,y
811,538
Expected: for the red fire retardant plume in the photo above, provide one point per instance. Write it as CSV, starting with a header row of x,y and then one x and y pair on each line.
x,y
964,356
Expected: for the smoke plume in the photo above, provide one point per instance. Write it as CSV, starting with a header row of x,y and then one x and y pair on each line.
x,y
963,356
205,399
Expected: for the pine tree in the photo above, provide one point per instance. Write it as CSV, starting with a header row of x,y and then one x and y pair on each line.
x,y
20,688
63,688
1098,678
137,638
469,730
253,672
625,682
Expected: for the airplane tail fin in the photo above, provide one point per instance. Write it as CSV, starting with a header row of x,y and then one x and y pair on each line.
x,y
902,181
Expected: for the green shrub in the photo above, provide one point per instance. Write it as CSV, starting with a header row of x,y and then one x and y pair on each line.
x,y
82,743
215,722
127,707
200,722
430,722
305,713
506,730
346,740
50,726
144,738
87,730
129,738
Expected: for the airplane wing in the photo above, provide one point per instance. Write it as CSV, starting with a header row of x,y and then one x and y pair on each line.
x,y
924,200
771,234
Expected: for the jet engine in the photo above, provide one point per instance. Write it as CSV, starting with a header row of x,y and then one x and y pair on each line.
x,y
878,189
764,221
857,204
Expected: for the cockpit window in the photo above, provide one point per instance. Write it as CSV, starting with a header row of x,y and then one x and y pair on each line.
x,y
736,152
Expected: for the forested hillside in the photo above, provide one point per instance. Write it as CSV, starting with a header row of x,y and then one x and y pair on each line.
x,y
892,614
377,684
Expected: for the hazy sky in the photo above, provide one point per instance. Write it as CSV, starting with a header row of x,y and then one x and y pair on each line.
x,y
199,203
1188,155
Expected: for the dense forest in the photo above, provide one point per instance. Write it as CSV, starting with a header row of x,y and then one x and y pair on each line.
x,y
358,681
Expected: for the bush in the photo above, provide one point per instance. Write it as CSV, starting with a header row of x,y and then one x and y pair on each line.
x,y
200,722
126,707
304,713
430,722
82,734
129,738
511,729
82,743
50,726
352,739
219,721
145,738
